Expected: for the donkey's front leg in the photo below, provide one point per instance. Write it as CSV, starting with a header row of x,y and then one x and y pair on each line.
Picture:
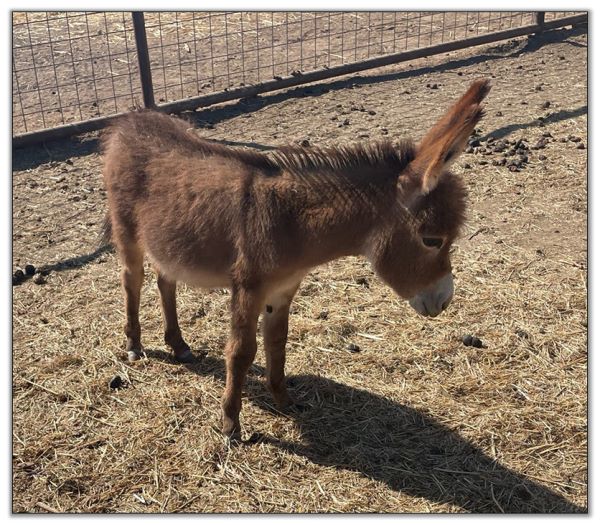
x,y
275,332
239,355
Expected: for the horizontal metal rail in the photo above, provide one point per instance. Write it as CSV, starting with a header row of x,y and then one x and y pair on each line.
x,y
34,137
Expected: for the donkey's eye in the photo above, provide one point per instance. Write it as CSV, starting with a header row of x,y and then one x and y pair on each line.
x,y
433,242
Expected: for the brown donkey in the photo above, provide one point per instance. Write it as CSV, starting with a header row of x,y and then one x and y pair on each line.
x,y
213,216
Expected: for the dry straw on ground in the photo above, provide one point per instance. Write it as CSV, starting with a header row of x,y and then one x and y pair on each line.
x,y
415,421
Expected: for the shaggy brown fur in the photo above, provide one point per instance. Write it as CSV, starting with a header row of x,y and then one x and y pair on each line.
x,y
214,216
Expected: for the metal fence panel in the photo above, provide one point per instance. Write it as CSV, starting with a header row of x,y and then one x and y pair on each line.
x,y
199,53
71,67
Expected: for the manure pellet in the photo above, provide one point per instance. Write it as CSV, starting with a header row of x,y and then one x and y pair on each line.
x,y
477,343
18,277
471,340
115,382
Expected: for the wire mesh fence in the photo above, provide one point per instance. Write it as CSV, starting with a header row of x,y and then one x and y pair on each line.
x,y
213,51
74,66
70,67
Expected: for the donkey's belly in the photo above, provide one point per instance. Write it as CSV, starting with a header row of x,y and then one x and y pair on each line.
x,y
193,276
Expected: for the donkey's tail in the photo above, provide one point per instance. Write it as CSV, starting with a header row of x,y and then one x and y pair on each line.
x,y
105,237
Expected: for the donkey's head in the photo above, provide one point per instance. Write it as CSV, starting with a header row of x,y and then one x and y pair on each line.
x,y
411,252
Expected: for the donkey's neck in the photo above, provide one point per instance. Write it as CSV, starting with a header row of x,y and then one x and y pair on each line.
x,y
337,212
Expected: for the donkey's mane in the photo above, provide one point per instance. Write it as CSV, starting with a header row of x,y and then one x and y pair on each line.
x,y
156,130
344,158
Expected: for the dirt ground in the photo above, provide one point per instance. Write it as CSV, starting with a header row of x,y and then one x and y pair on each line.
x,y
413,422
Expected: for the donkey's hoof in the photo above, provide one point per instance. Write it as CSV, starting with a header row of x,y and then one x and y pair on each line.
x,y
132,356
232,436
231,430
185,357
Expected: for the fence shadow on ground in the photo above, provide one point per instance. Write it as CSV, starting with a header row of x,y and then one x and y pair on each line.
x,y
354,429
563,114
60,150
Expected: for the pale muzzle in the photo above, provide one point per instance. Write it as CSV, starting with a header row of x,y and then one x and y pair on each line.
x,y
435,299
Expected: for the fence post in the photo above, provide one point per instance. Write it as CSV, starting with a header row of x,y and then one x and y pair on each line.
x,y
141,43
540,21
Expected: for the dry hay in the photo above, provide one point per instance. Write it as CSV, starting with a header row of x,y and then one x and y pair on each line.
x,y
414,422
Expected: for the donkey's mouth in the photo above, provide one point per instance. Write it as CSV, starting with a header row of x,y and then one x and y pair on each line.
x,y
420,306
435,299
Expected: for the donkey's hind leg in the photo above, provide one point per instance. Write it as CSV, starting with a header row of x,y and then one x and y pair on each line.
x,y
275,331
239,355
173,338
132,277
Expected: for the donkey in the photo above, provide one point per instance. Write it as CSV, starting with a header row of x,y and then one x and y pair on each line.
x,y
257,223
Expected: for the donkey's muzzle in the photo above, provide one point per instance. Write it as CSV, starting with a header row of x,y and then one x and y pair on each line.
x,y
434,299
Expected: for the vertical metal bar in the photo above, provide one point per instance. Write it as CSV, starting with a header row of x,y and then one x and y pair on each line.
x,y
141,43
242,46
272,44
179,59
287,44
73,66
50,39
381,40
227,51
328,39
368,37
356,36
315,15
301,42
395,27
109,57
93,79
35,69
195,52
539,20
212,55
258,48
127,54
443,27
342,52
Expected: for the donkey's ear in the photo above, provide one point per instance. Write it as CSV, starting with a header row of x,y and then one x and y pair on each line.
x,y
444,143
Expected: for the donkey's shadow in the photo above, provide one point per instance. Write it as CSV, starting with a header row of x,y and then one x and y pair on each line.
x,y
358,430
